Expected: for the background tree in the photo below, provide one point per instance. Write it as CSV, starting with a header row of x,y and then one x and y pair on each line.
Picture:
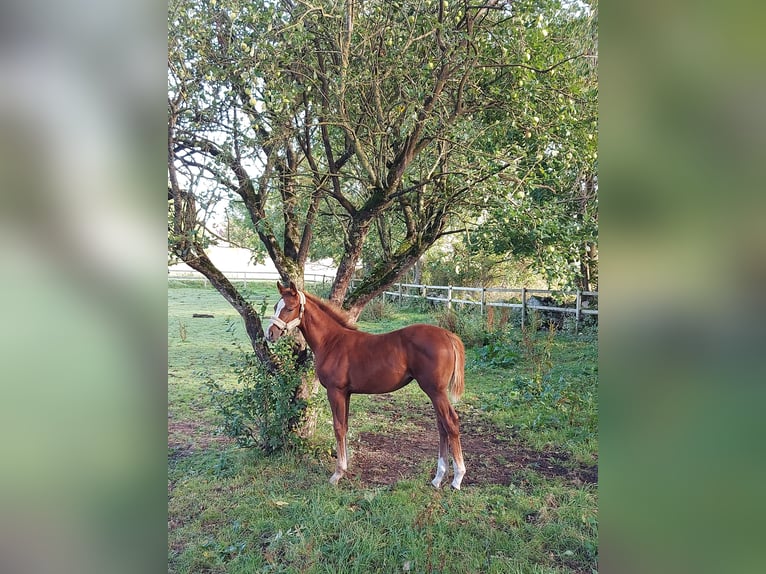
x,y
546,212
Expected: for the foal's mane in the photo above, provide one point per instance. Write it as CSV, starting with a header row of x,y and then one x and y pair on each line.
x,y
337,314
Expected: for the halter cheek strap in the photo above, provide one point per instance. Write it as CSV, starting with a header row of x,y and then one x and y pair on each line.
x,y
280,324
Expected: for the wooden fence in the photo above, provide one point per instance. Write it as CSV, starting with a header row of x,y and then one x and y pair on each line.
x,y
582,302
579,303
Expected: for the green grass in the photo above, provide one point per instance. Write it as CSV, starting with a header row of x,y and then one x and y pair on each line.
x,y
511,402
232,510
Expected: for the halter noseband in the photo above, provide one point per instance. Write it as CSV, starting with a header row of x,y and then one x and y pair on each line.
x,y
284,327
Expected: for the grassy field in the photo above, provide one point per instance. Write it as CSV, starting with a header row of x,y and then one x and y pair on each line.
x,y
529,501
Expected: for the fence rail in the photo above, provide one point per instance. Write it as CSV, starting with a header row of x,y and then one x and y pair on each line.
x,y
584,302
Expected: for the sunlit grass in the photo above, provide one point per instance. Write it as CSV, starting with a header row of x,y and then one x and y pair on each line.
x,y
238,511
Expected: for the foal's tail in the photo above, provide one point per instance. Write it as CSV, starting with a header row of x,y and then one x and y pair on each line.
x,y
457,382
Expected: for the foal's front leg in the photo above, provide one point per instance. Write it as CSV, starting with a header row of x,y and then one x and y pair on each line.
x,y
339,405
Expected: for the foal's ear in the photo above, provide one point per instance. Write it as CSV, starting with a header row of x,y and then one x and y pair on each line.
x,y
293,288
280,288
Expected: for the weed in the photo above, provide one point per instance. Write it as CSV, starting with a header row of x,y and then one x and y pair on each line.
x,y
497,353
497,318
537,351
182,330
556,394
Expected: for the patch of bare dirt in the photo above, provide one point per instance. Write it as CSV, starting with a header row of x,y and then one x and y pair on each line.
x,y
490,456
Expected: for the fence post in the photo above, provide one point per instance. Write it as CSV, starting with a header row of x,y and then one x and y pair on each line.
x,y
523,307
578,306
449,297
400,295
483,300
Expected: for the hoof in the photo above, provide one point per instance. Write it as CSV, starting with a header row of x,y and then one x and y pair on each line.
x,y
335,478
437,482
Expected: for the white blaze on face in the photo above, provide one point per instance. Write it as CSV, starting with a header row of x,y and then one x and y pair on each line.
x,y
280,306
277,311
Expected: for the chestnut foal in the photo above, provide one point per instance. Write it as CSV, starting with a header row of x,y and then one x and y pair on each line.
x,y
350,361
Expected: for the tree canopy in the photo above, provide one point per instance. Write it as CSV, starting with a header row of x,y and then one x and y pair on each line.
x,y
384,125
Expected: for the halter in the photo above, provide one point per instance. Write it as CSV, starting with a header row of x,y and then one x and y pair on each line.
x,y
284,327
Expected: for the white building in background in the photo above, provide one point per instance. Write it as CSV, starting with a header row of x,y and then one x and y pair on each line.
x,y
234,260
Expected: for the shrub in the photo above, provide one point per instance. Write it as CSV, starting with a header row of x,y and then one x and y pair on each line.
x,y
264,410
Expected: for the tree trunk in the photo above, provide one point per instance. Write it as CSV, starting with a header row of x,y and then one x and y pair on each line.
x,y
388,271
418,271
351,256
380,278
308,389
587,266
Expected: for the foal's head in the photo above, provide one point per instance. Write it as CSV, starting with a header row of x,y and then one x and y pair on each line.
x,y
287,313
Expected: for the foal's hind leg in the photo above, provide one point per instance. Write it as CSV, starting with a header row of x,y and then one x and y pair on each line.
x,y
449,423
441,465
458,465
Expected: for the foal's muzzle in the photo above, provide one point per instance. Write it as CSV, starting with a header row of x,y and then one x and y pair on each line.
x,y
278,324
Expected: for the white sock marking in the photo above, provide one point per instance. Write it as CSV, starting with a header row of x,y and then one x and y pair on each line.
x,y
459,473
441,470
